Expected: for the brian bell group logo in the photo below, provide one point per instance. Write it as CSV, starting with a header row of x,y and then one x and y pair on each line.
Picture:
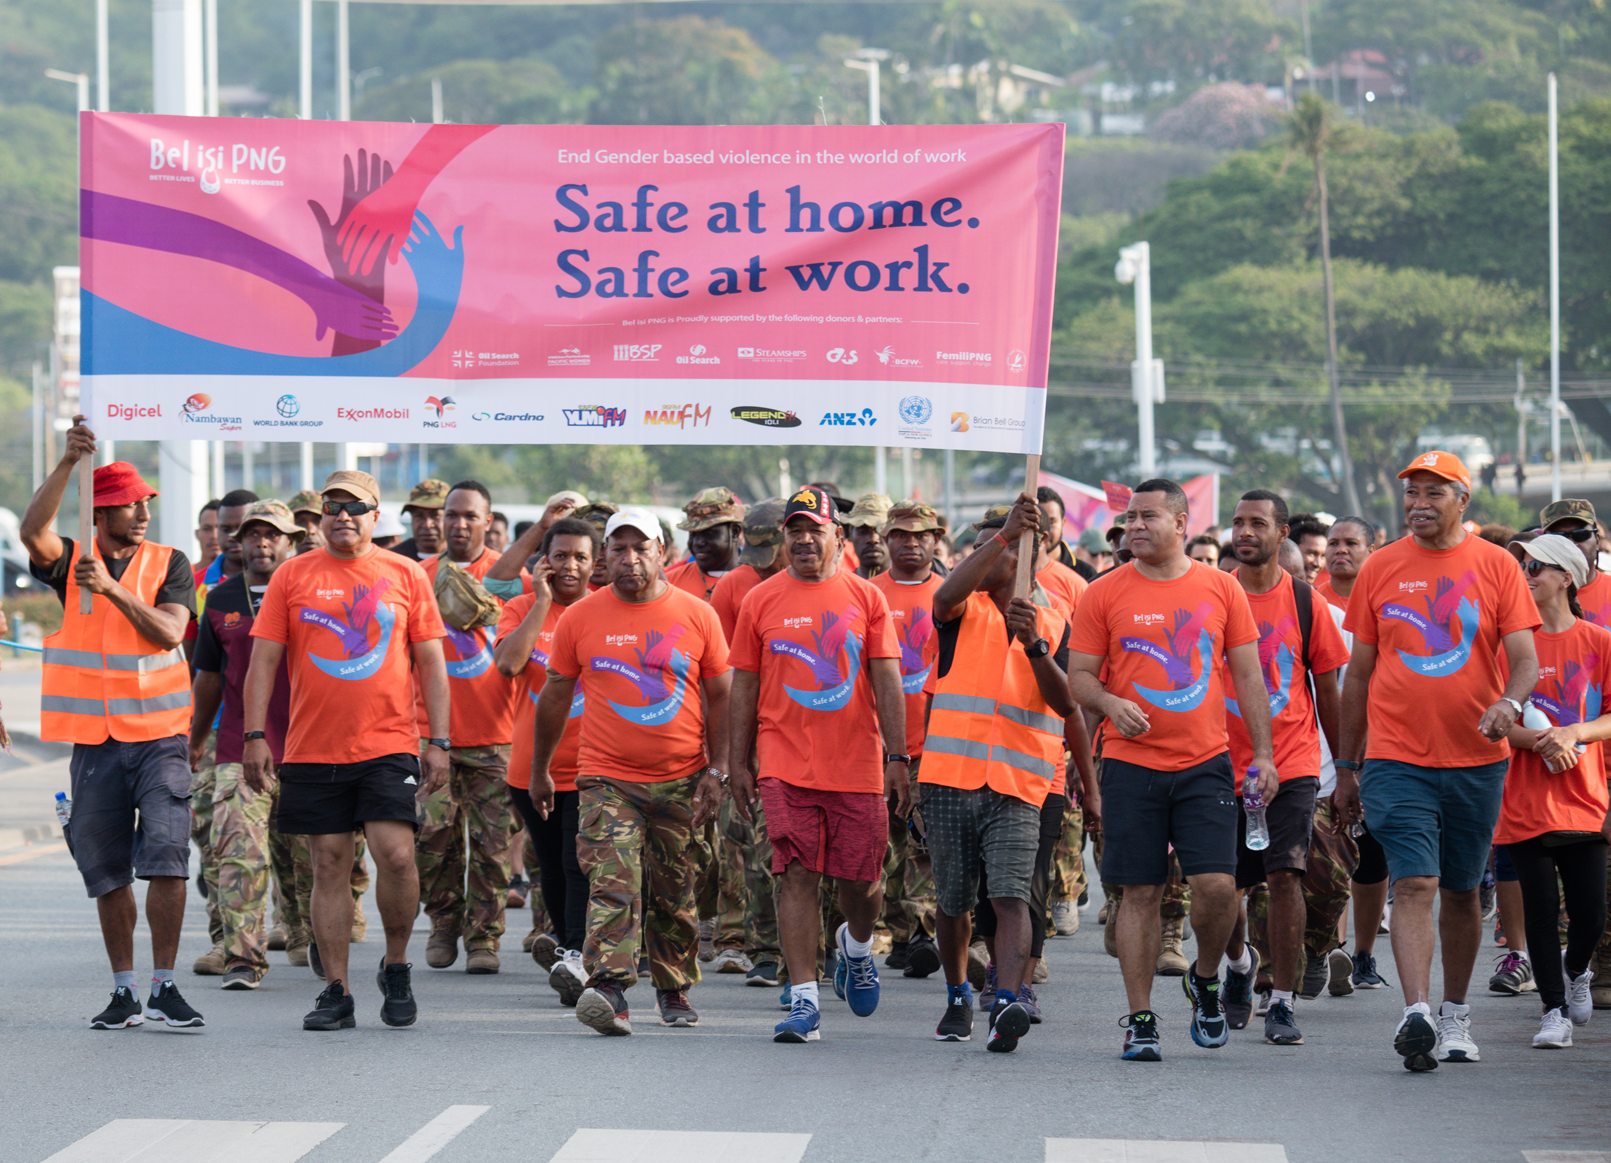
x,y
959,421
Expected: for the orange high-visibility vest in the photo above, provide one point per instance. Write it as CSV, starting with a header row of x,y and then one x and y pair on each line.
x,y
988,723
102,678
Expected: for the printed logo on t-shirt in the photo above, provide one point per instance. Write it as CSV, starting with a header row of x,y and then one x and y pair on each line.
x,y
1190,686
1448,626
661,677
1275,663
473,649
1572,698
913,640
835,684
231,620
360,660
1599,617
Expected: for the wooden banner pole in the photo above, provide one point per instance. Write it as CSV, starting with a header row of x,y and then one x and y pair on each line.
x,y
1026,543
86,522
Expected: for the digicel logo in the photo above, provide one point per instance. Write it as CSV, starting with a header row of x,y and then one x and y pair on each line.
x,y
134,411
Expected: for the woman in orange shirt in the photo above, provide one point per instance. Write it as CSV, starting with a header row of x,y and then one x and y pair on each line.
x,y
1554,816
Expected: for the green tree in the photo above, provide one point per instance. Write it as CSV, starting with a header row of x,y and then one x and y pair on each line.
x,y
685,70
527,90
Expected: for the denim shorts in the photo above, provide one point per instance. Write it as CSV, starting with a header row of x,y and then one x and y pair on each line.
x,y
1434,821
131,811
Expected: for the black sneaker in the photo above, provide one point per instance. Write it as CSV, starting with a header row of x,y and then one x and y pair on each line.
x,y
121,1014
897,956
396,987
957,1024
1208,1026
1365,975
1281,1026
1009,1021
333,1010
922,956
763,972
167,1006
1416,1041
1237,996
315,962
1140,1037
242,976
674,1008
603,1007
1316,975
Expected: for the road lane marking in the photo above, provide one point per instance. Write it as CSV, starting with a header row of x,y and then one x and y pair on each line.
x,y
1160,1151
592,1145
434,1135
196,1141
34,852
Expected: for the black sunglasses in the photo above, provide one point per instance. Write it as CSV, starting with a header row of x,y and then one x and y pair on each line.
x,y
351,508
1532,567
1580,535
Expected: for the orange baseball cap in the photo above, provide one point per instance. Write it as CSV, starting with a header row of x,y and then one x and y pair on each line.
x,y
1444,464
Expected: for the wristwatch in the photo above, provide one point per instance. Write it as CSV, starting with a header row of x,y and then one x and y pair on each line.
x,y
1347,765
250,735
440,741
721,776
1512,702
1040,649
892,758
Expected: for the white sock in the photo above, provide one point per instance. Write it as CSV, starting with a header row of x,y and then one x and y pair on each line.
x,y
806,992
855,948
1281,995
1453,1009
1244,963
1419,1007
1522,953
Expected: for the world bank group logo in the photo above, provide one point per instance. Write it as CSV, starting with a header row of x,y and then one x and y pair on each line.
x,y
287,406
917,410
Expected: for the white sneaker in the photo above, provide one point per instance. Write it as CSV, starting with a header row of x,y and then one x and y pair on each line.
x,y
1554,1032
1454,1037
1579,1004
567,976
731,961
1065,919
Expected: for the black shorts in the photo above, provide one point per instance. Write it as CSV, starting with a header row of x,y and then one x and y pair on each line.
x,y
1372,868
1291,820
1145,811
323,799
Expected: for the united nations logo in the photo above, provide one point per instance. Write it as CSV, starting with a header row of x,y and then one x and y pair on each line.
x,y
287,406
917,409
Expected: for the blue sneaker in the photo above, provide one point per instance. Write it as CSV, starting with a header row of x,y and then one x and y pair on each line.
x,y
859,977
786,999
803,1024
1209,1027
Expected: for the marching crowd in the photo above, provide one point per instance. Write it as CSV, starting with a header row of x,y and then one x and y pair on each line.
x,y
836,723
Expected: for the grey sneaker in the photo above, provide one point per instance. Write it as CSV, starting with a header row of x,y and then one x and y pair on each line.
x,y
1513,975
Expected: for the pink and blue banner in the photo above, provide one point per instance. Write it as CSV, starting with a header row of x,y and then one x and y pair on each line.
x,y
334,281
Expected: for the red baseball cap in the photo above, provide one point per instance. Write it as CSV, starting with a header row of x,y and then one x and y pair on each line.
x,y
120,483
1444,464
811,502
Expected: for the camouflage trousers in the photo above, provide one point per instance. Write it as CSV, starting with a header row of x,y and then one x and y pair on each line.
x,y
202,783
908,886
462,848
1068,859
726,885
240,844
1333,856
634,842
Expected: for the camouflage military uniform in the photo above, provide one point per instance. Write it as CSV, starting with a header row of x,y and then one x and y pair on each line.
x,y
632,836
761,940
908,886
202,783
240,844
1068,860
720,877
1333,856
465,885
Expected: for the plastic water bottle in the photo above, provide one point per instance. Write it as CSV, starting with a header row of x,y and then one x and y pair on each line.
x,y
64,814
1535,720
1258,830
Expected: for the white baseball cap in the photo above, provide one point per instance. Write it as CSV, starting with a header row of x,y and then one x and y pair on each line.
x,y
387,526
635,517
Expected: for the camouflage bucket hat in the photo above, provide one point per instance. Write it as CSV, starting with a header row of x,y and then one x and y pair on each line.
x,y
597,514
428,494
995,515
307,501
763,533
712,507
274,514
1573,507
914,517
869,509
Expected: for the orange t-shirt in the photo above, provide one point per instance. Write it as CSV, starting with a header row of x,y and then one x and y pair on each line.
x,y
687,576
810,643
911,609
1595,598
1574,669
1323,588
347,626
562,767
640,665
483,706
1164,642
1292,707
1436,618
729,593
1062,585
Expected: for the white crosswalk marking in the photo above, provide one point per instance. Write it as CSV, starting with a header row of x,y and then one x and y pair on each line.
x,y
1160,1151
434,1135
1566,1157
196,1141
599,1146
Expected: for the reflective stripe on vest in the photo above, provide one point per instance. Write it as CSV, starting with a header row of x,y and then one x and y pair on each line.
x,y
101,679
995,753
973,704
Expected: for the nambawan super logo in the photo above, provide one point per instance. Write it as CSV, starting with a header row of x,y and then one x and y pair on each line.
x,y
352,632
835,641
1448,625
661,677
1190,635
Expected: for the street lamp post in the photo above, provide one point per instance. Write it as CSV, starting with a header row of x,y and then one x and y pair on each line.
x,y
1146,373
867,60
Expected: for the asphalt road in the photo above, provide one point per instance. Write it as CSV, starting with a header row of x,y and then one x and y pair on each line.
x,y
873,1089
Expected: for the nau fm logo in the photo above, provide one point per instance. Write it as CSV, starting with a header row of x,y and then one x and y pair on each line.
x,y
683,416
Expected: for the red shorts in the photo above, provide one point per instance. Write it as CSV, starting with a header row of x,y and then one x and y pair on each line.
x,y
841,834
